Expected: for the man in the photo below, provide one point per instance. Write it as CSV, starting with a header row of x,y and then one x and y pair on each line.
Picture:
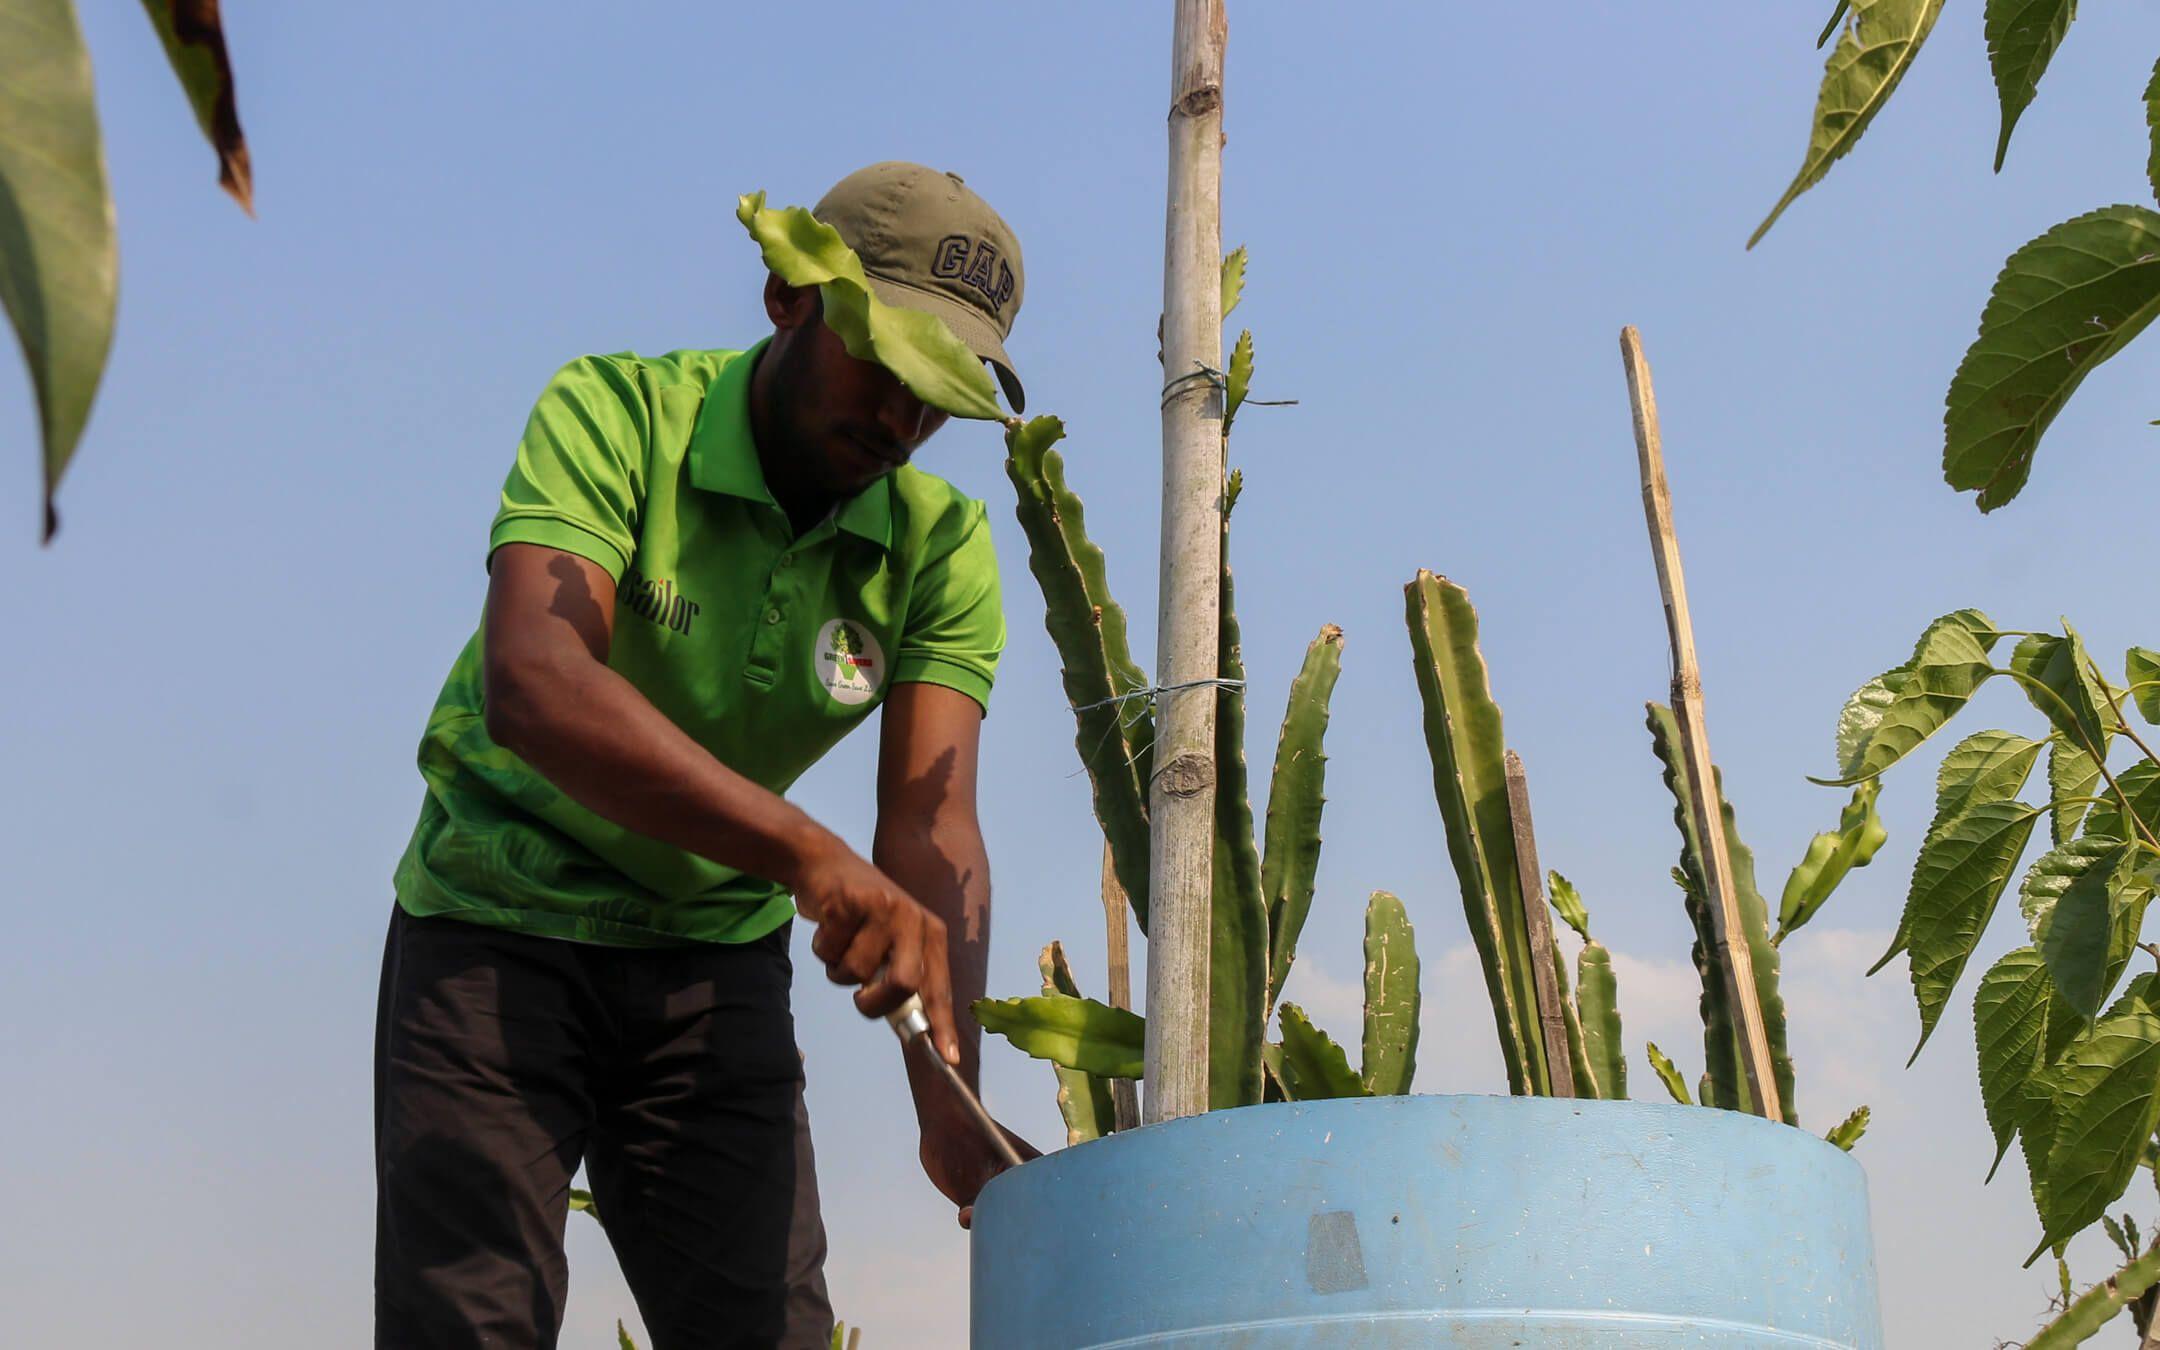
x,y
707,568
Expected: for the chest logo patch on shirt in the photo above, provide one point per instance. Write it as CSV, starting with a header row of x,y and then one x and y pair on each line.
x,y
848,661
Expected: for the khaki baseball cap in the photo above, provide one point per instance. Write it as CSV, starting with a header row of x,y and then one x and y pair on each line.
x,y
929,243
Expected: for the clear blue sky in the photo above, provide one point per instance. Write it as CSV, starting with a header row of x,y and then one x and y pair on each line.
x,y
272,542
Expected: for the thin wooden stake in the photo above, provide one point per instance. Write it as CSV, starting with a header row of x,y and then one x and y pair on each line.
x,y
1687,697
1552,1017
1117,931
1181,799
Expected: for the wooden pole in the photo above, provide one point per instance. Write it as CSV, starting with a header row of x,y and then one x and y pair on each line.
x,y
1552,1018
1687,697
1117,932
1181,799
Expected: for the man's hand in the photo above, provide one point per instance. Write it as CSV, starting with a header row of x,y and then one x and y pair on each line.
x,y
874,934
955,1156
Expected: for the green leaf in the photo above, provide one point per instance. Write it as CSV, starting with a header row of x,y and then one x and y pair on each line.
x,y
2107,1096
2057,676
1987,766
2010,1012
1721,1045
59,260
1112,730
2072,775
1862,73
1847,1132
2117,1236
1829,30
916,347
1391,997
2152,130
2069,900
195,45
1568,903
1078,1033
1233,279
1958,878
1464,738
2064,304
1237,383
622,1337
2022,36
581,1202
2141,784
2144,674
1314,1067
1669,1074
1598,1003
1296,797
1894,712
1084,1100
1830,857
1238,934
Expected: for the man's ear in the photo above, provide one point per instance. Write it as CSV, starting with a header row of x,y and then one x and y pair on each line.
x,y
790,306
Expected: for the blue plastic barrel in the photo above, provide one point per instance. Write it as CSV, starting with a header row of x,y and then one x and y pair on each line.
x,y
1432,1221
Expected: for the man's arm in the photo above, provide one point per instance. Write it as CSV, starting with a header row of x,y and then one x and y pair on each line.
x,y
929,840
552,699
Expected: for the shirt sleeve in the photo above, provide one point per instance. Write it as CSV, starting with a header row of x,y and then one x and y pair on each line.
x,y
579,479
955,627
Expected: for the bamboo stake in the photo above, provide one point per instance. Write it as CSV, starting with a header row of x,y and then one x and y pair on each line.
x,y
1552,1017
1117,921
1738,963
1181,799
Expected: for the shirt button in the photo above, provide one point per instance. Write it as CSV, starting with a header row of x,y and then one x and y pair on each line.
x,y
772,616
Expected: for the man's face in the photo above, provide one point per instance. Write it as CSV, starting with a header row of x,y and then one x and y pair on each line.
x,y
851,422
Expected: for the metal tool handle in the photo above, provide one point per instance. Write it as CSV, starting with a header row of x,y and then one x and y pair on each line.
x,y
911,1024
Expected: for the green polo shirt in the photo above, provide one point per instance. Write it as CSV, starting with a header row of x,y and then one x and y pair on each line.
x,y
765,646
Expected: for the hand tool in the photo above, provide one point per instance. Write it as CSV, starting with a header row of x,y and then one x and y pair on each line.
x,y
912,1025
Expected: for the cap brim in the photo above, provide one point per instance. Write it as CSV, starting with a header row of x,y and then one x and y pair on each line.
x,y
966,323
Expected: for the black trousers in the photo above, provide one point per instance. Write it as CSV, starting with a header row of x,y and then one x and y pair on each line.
x,y
504,1060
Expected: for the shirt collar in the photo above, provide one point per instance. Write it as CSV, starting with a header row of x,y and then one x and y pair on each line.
x,y
723,456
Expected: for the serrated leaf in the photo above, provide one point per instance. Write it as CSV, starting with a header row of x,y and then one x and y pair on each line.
x,y
2117,1236
194,41
1669,1074
2152,130
2064,304
1568,903
1233,279
2072,774
1898,709
1961,872
2010,1011
1830,857
2143,670
1987,766
2069,902
2141,784
1847,1132
919,350
1863,71
2057,677
1237,383
1078,1033
1314,1067
2107,1103
2022,36
59,259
